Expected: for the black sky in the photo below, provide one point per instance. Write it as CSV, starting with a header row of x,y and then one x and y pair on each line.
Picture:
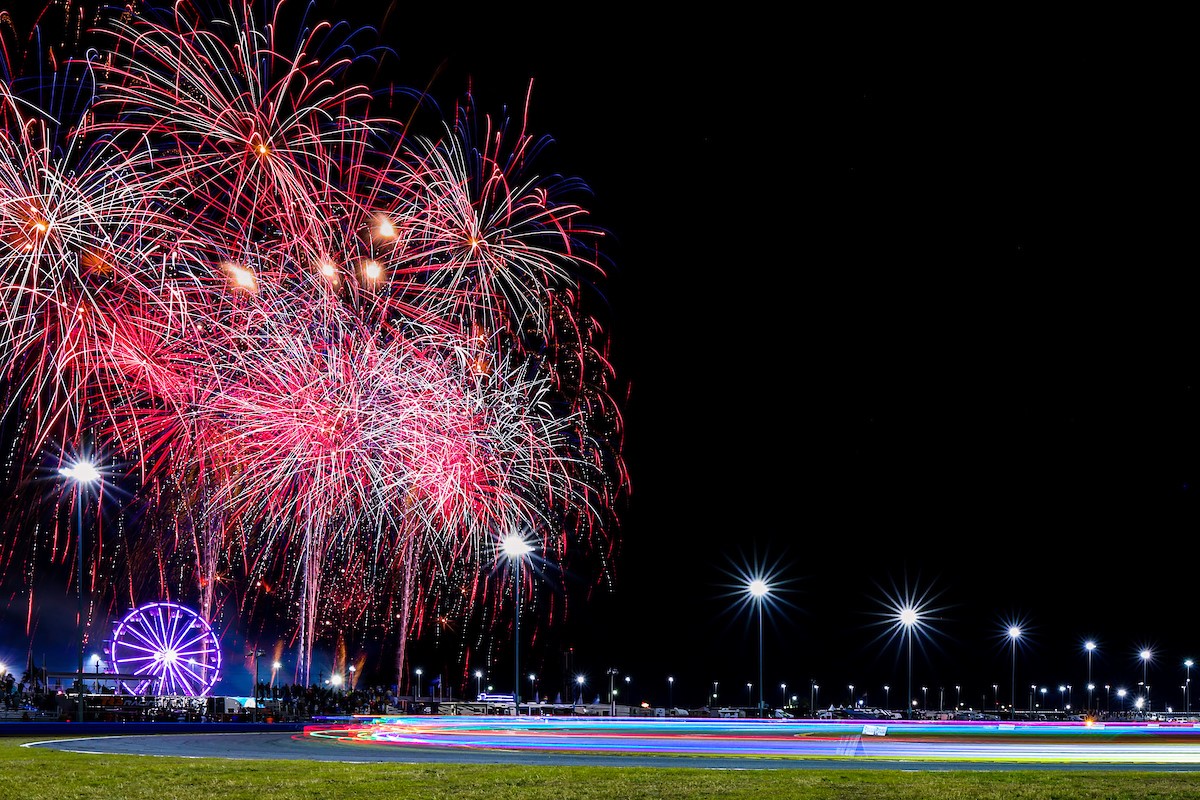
x,y
897,301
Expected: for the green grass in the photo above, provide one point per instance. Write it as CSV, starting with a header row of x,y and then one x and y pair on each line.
x,y
41,774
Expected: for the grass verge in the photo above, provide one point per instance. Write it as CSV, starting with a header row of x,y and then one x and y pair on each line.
x,y
41,774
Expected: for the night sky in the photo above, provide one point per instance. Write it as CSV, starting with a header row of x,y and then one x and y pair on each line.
x,y
897,310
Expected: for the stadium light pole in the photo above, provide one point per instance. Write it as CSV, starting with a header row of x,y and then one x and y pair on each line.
x,y
1014,633
1090,646
516,548
758,589
1146,655
909,618
82,474
257,655
1187,691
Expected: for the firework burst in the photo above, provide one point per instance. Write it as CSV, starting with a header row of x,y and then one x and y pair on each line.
x,y
340,358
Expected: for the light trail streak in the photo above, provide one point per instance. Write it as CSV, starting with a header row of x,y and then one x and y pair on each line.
x,y
900,740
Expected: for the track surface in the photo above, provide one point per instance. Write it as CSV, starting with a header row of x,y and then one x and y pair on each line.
x,y
709,744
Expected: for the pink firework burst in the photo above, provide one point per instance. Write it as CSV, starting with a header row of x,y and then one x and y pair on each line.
x,y
341,358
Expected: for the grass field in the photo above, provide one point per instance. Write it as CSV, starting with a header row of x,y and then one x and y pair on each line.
x,y
41,774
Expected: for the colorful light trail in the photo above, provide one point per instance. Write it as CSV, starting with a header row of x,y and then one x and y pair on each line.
x,y
900,740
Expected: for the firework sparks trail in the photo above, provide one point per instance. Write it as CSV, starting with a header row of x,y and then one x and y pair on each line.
x,y
342,358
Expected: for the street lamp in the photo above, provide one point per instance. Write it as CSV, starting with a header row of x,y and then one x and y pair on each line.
x,y
1090,646
759,589
909,618
924,698
1043,698
958,689
1187,687
783,693
887,696
257,655
748,686
1121,697
420,672
1062,690
670,691
275,667
852,703
81,474
612,695
1146,654
995,696
1014,633
579,680
628,694
816,688
532,691
478,683
1090,687
516,548
352,669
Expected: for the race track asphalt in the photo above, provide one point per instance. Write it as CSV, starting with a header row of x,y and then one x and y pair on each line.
x,y
422,743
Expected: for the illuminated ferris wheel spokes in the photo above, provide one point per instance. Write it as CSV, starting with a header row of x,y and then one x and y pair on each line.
x,y
171,646
172,669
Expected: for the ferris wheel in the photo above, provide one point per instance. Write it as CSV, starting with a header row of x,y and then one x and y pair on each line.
x,y
171,645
